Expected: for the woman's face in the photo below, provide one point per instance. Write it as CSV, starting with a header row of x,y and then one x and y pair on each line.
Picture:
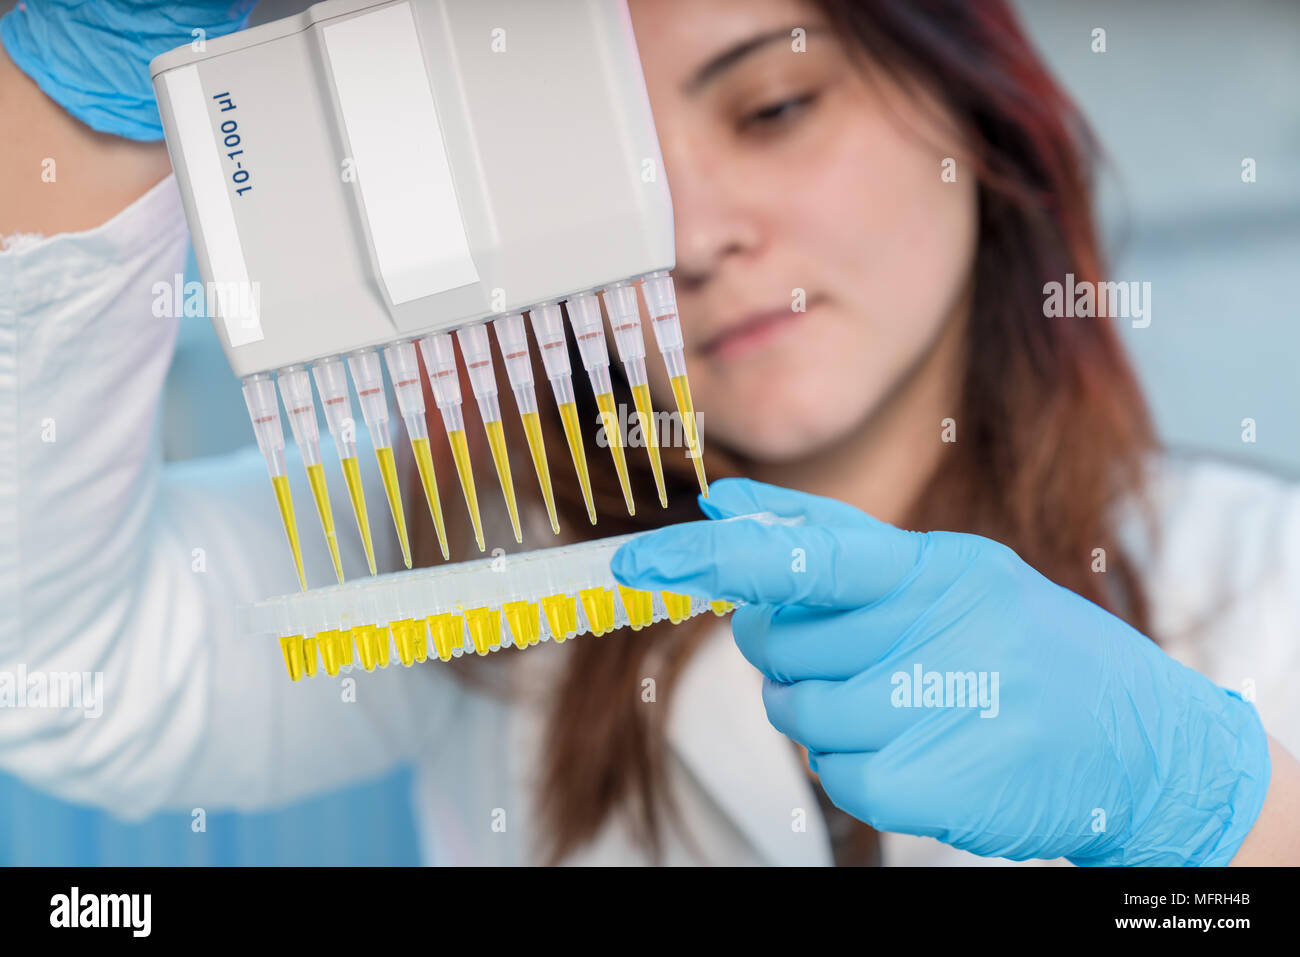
x,y
796,181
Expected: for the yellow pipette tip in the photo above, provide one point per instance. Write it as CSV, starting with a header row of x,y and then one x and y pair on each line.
x,y
686,408
460,452
605,402
388,470
572,432
284,499
356,492
424,462
537,448
320,492
644,408
496,436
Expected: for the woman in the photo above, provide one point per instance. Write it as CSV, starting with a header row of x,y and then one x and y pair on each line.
x,y
869,199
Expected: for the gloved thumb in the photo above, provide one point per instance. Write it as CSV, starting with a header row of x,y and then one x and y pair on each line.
x,y
730,497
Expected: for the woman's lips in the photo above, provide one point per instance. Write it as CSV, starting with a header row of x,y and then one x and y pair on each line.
x,y
752,333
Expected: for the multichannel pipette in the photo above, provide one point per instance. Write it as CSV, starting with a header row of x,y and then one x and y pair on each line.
x,y
356,186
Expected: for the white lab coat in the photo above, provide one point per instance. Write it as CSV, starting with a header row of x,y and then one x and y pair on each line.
x,y
111,562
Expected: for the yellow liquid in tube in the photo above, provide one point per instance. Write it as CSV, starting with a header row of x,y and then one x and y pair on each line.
x,y
569,416
537,448
284,499
644,408
356,492
682,392
320,491
388,470
424,462
460,452
609,417
497,443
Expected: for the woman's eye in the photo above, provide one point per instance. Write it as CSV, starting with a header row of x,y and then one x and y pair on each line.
x,y
776,114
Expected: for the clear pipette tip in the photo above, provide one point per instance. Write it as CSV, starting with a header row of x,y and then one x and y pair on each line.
x,y
264,411
625,320
295,390
368,377
548,327
589,331
440,360
332,384
661,301
513,341
404,369
474,346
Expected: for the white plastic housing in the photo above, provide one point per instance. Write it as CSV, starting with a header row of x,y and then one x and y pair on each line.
x,y
370,171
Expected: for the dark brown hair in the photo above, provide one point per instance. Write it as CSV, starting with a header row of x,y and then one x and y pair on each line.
x,y
1054,426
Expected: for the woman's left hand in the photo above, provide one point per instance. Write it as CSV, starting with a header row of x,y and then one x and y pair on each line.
x,y
945,688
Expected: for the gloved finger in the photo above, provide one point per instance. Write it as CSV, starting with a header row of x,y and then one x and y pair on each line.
x,y
798,642
854,715
730,497
748,561
851,781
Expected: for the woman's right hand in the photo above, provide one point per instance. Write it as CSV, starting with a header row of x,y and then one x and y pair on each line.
x,y
945,688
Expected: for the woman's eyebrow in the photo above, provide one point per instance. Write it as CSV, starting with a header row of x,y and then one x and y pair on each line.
x,y
733,55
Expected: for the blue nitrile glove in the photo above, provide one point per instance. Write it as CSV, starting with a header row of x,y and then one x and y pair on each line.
x,y
92,56
1084,740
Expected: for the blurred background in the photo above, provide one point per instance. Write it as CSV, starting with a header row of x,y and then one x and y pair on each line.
x,y
1184,92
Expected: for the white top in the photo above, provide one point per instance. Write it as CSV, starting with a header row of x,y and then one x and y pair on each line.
x,y
100,561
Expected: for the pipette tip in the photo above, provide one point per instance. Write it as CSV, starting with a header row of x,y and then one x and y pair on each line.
x,y
500,457
572,432
537,449
460,452
686,409
609,418
356,492
393,491
285,500
320,492
424,463
645,411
